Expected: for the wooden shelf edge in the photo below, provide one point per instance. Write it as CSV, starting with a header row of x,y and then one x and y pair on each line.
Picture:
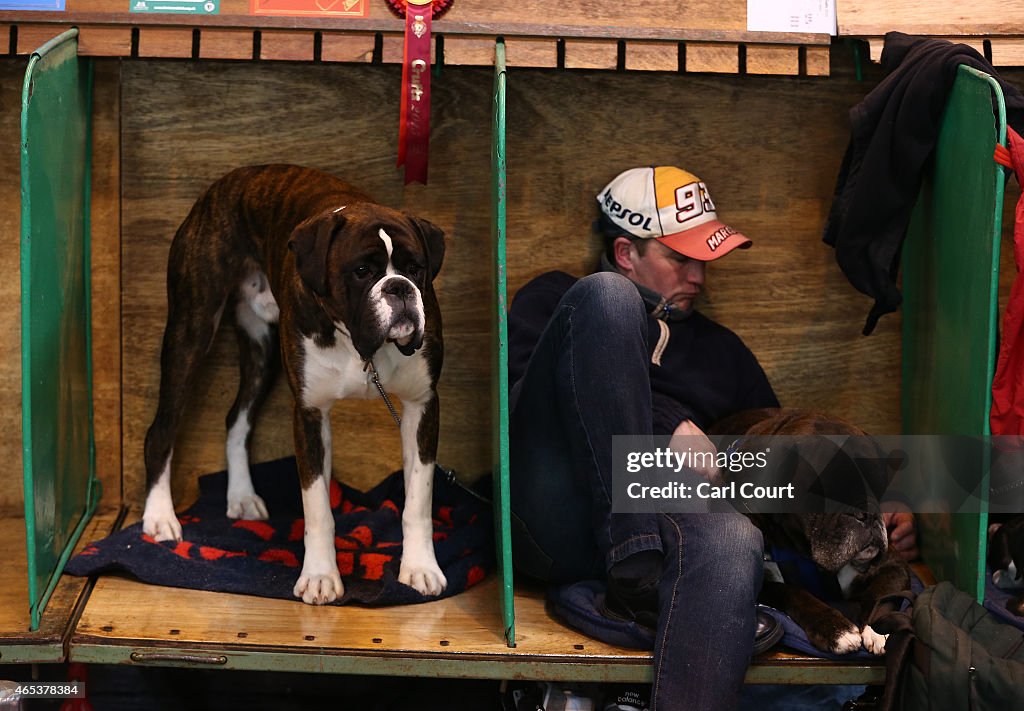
x,y
781,668
218,43
394,25
929,29
777,668
453,665
48,651
1006,50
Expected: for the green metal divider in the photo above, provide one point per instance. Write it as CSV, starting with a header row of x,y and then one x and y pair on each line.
x,y
499,362
950,280
61,489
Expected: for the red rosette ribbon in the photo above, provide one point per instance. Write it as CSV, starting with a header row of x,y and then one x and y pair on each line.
x,y
437,7
414,122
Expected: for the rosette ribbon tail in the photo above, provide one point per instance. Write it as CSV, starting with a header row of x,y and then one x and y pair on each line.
x,y
414,122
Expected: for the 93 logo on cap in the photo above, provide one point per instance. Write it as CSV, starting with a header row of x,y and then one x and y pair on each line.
x,y
692,200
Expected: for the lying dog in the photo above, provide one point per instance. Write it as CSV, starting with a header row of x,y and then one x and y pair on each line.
x,y
337,286
1005,556
844,542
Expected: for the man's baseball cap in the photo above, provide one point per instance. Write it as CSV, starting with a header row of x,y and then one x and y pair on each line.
x,y
672,206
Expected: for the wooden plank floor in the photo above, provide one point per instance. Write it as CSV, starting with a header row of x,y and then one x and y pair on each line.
x,y
17,644
126,621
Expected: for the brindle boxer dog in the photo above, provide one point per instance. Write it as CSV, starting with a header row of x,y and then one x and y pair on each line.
x,y
848,542
335,285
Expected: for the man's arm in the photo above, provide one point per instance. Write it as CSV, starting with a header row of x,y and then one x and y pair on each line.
x,y
694,440
667,413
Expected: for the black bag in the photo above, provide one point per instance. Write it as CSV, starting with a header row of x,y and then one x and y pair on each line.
x,y
955,656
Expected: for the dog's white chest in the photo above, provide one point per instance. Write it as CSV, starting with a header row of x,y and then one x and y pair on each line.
x,y
333,373
845,576
337,372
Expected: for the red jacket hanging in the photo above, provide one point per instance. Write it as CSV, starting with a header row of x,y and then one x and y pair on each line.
x,y
1007,416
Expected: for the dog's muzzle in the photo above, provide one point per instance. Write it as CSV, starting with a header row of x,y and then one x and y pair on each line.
x,y
401,314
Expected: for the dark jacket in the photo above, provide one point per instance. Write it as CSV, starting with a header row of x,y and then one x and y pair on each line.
x,y
893,132
706,371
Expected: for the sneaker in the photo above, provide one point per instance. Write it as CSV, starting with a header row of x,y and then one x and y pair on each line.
x,y
627,698
522,696
633,589
565,697
767,633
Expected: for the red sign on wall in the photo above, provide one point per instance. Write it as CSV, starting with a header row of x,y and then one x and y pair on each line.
x,y
307,8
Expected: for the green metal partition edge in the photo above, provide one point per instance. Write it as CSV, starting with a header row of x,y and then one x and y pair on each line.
x,y
499,362
950,282
61,489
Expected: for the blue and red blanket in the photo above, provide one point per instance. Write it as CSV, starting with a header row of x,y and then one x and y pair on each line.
x,y
264,558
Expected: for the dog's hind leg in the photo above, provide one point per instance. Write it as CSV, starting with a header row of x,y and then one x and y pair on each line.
x,y
256,315
194,312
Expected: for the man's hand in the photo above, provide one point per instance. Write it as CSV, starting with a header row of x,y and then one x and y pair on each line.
x,y
696,441
902,530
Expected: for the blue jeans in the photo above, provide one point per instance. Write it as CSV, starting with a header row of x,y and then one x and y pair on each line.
x,y
587,380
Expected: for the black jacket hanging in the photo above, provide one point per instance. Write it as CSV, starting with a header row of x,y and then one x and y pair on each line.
x,y
893,133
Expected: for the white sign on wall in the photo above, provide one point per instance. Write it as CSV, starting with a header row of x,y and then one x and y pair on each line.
x,y
792,16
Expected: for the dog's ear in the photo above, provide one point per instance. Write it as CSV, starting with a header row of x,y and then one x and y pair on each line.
x,y
310,242
432,237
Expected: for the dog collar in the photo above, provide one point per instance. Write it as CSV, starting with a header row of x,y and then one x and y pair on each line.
x,y
368,366
795,569
734,446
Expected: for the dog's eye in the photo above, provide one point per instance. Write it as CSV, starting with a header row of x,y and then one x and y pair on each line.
x,y
414,270
361,272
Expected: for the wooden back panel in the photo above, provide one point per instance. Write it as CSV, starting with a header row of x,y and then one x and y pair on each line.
x,y
768,148
186,124
11,74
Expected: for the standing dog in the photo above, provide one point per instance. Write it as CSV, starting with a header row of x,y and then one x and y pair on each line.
x,y
850,542
338,286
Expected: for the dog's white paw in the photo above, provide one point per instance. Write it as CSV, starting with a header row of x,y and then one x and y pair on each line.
x,y
247,506
424,577
847,641
319,588
873,642
161,526
158,518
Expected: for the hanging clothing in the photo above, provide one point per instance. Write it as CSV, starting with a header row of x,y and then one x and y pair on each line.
x,y
893,133
1007,416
